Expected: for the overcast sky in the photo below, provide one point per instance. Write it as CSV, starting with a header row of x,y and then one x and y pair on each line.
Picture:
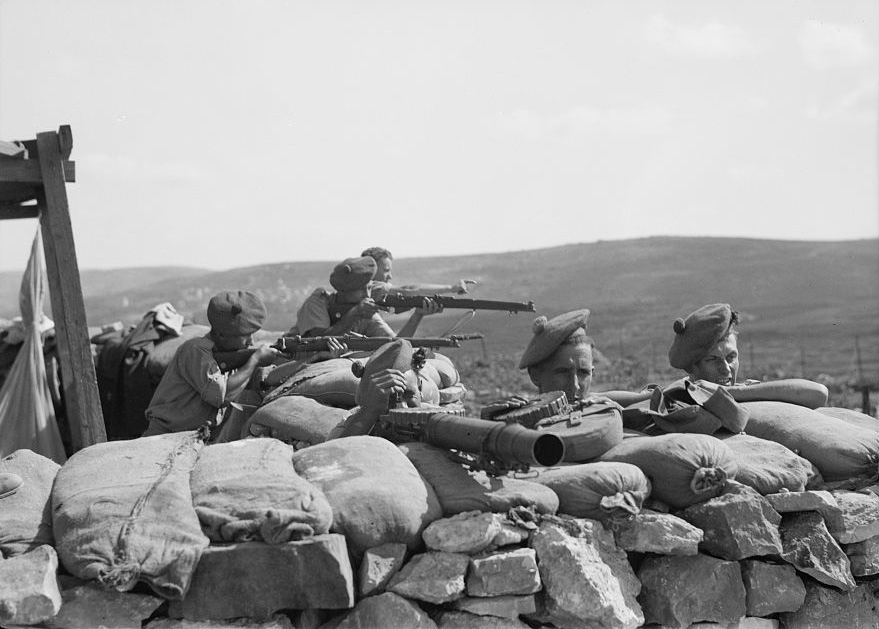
x,y
226,133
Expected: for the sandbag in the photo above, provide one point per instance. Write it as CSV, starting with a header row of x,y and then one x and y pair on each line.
x,y
852,417
445,369
330,382
603,491
683,469
839,449
769,467
376,494
26,515
248,490
122,513
459,490
294,419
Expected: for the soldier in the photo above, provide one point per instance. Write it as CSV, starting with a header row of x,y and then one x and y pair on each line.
x,y
706,347
193,390
382,281
559,357
351,309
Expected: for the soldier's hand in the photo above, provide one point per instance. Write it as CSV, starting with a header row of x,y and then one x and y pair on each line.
x,y
265,355
335,349
490,411
461,287
366,308
429,306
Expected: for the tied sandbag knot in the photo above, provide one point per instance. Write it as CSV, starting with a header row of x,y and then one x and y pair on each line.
x,y
622,504
120,577
707,479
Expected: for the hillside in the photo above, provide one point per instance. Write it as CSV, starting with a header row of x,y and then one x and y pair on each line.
x,y
803,303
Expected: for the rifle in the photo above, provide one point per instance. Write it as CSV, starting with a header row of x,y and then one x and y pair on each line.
x,y
404,302
291,345
498,447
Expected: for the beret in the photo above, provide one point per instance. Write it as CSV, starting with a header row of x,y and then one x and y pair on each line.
x,y
394,355
697,334
353,273
549,334
236,313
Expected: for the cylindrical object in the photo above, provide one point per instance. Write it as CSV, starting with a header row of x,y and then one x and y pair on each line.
x,y
510,443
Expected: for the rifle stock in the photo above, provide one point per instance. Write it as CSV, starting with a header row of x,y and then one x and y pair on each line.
x,y
500,447
398,300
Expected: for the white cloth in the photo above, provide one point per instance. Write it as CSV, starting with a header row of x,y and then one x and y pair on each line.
x,y
27,417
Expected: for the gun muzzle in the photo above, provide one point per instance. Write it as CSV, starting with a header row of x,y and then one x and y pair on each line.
x,y
511,443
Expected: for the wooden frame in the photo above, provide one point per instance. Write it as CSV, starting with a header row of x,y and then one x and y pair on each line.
x,y
42,177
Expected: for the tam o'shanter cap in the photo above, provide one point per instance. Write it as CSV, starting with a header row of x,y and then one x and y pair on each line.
x,y
353,273
549,334
695,335
236,313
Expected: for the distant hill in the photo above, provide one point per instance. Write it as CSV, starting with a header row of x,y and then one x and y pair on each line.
x,y
803,303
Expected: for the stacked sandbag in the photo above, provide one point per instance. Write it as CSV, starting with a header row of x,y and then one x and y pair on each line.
x,y
839,449
852,417
294,419
331,382
248,490
604,491
122,513
451,390
460,490
683,469
769,467
376,494
26,515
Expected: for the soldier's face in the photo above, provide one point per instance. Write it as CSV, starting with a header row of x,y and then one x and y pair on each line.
x,y
383,273
721,364
569,369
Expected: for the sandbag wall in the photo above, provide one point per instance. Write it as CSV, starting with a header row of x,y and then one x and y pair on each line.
x,y
660,530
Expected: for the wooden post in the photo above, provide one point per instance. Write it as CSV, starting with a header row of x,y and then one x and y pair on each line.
x,y
82,401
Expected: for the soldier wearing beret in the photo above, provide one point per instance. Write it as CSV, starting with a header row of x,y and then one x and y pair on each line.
x,y
381,283
706,347
193,390
351,308
559,357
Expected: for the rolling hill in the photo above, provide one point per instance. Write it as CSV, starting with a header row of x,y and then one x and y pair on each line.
x,y
806,306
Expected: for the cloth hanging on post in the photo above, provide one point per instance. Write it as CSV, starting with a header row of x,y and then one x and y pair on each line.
x,y
27,417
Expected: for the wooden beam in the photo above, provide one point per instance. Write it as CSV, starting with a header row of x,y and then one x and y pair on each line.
x,y
80,385
28,171
19,211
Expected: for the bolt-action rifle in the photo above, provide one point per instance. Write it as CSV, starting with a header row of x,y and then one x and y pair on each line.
x,y
292,345
404,302
494,447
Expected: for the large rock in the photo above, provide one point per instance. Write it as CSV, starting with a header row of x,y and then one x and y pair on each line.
x,y
86,607
737,524
255,579
434,577
386,610
379,564
821,501
864,557
826,608
678,591
504,572
28,588
463,620
468,532
860,516
502,606
809,548
587,580
771,588
660,533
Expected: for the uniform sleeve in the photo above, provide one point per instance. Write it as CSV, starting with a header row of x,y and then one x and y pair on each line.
x,y
201,371
313,312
